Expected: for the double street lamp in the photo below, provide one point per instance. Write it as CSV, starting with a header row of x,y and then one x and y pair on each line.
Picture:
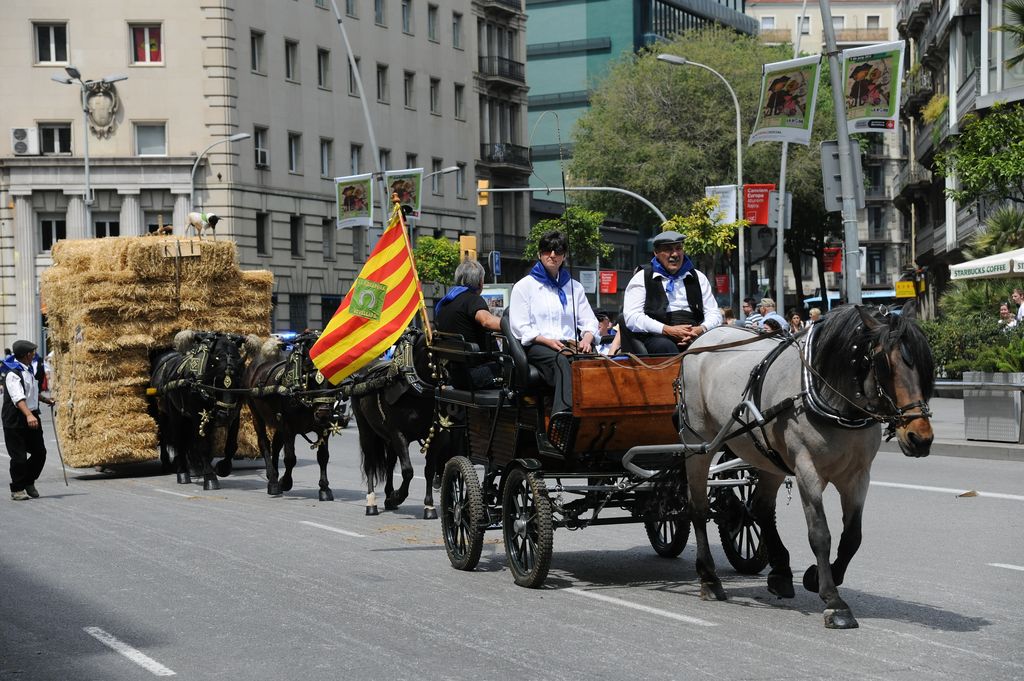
x,y
86,85
237,137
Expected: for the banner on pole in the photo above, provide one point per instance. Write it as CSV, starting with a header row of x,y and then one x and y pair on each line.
x,y
789,90
355,200
755,203
609,281
871,77
726,211
832,259
721,283
588,279
407,184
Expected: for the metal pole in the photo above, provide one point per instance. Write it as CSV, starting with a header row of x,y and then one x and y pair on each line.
x,y
89,230
619,190
851,255
238,137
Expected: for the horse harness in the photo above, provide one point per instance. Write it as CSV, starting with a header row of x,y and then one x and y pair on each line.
x,y
189,373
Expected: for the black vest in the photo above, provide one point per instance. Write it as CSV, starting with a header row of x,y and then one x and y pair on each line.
x,y
10,414
656,304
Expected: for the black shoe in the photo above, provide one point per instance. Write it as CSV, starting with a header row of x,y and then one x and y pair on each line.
x,y
32,491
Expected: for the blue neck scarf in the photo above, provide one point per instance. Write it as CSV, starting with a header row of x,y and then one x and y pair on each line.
x,y
11,363
672,278
453,293
540,274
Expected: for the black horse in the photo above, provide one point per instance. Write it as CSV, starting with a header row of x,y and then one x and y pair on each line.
x,y
393,403
288,394
196,388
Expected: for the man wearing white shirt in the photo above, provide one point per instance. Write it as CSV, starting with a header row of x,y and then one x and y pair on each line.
x,y
548,312
668,303
23,433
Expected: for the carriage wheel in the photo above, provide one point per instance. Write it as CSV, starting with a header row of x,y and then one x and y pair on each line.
x,y
462,513
526,523
739,532
668,536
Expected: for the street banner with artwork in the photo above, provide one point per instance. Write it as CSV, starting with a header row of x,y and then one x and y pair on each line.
x,y
377,309
355,200
407,184
726,194
789,90
871,86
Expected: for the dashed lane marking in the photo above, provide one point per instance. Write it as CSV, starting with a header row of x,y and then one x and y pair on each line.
x,y
133,654
1007,566
332,529
642,608
949,490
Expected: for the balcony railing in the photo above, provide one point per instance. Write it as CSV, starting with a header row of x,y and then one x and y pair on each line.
x,y
506,153
859,35
917,89
933,34
775,35
910,176
910,14
514,5
502,67
967,223
876,192
930,136
967,94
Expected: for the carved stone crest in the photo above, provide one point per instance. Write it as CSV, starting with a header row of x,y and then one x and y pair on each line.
x,y
102,102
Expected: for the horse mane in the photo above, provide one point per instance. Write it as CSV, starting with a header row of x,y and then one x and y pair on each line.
x,y
269,350
183,340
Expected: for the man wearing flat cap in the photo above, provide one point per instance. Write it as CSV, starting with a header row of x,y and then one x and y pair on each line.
x,y
23,432
668,302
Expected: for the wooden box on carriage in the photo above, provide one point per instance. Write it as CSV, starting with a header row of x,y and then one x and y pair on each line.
x,y
624,402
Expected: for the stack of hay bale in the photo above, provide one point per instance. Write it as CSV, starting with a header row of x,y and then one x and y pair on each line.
x,y
110,304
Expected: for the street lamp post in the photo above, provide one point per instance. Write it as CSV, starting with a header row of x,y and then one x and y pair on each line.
x,y
683,61
237,137
75,75
442,171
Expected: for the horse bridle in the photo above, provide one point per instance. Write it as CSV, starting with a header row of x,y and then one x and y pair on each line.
x,y
881,366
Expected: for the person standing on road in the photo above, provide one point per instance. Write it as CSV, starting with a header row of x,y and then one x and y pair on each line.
x,y
23,430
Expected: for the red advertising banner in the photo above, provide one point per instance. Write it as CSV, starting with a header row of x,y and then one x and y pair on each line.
x,y
608,281
721,283
832,259
755,203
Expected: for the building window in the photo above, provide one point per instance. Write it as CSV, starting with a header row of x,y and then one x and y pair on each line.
x,y
385,158
263,233
51,43
355,153
291,60
323,68
350,8
52,229
151,139
460,96
353,87
432,24
805,26
55,138
838,23
409,89
410,160
146,45
260,143
298,306
407,16
379,15
457,30
874,21
294,152
437,181
767,23
106,227
326,157
295,235
382,83
256,51
330,229
435,96
460,181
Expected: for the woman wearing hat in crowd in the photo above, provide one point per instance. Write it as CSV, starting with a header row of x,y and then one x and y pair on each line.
x,y
548,311
23,431
668,302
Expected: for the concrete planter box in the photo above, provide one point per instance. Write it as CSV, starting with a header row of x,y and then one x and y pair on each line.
x,y
993,415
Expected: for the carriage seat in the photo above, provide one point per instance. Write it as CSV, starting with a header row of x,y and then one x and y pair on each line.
x,y
525,376
458,355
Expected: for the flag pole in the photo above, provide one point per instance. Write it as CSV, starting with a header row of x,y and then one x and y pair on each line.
x,y
412,262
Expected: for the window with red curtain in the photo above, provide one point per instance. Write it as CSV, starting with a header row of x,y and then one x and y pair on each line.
x,y
146,44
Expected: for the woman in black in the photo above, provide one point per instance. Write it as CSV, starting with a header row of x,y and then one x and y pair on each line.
x,y
464,311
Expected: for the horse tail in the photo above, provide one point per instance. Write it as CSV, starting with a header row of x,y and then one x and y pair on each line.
x,y
373,448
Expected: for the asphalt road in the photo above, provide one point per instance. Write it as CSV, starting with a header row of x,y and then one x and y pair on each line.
x,y
129,575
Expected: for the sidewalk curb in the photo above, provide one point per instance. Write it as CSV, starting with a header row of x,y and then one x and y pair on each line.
x,y
967,449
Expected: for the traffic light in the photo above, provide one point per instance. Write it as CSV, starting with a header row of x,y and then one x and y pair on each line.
x,y
482,196
467,247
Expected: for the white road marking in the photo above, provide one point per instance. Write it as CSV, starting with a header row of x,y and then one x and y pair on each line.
x,y
642,608
136,656
1007,566
332,529
949,490
177,494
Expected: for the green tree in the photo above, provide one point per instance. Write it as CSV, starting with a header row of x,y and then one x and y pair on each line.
x,y
582,226
1003,231
705,235
987,157
436,259
1015,29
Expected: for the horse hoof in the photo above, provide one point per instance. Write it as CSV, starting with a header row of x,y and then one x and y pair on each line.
x,y
274,489
184,479
224,468
211,484
712,592
429,513
286,484
840,619
811,579
326,495
391,505
781,585
372,510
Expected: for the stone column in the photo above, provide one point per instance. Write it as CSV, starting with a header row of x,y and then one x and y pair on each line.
x,y
182,205
76,218
131,215
26,246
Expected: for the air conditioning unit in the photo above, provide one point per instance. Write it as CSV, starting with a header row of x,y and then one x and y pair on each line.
x,y
25,141
262,158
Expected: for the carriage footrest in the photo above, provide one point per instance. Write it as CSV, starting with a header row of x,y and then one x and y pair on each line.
x,y
482,398
656,461
562,430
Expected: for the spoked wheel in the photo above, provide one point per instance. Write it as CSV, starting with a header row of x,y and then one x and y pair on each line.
x,y
462,513
739,532
526,523
668,536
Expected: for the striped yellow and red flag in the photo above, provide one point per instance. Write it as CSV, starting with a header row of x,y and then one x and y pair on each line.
x,y
377,309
